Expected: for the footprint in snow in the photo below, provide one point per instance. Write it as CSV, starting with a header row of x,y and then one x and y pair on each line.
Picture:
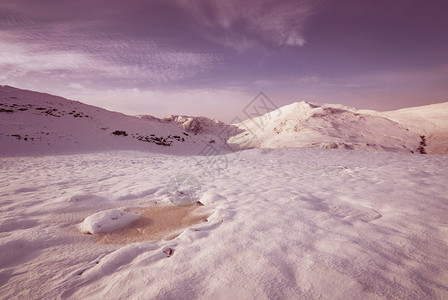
x,y
343,209
354,212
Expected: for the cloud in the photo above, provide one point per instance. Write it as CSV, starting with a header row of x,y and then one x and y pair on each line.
x,y
312,79
85,52
385,90
76,86
437,75
112,60
246,24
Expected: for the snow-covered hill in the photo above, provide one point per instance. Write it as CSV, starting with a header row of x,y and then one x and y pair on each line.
x,y
431,121
37,123
304,124
33,123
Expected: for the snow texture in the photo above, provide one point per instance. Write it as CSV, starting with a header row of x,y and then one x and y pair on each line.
x,y
107,221
284,223
34,123
286,220
304,124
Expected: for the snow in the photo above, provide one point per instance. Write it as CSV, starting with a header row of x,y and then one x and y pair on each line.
x,y
170,218
430,121
40,124
107,221
34,123
304,124
283,223
196,124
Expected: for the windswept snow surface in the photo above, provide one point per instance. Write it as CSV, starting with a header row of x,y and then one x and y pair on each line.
x,y
284,223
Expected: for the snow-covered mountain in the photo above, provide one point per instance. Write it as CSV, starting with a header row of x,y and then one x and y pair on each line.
x,y
302,124
38,123
191,124
33,123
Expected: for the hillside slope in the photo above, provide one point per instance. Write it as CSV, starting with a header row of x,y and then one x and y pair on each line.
x,y
36,123
431,121
304,124
33,123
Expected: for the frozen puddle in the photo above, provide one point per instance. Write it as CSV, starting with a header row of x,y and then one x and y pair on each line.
x,y
153,223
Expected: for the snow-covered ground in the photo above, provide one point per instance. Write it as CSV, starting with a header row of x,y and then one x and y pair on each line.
x,y
283,223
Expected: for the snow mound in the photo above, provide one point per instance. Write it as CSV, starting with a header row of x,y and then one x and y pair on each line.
x,y
107,221
210,198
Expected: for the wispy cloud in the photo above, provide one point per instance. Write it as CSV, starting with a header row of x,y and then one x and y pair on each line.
x,y
245,24
315,49
86,54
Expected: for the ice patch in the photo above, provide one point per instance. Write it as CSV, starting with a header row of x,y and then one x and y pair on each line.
x,y
157,223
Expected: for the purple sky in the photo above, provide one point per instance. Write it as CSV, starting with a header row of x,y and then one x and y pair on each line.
x,y
205,57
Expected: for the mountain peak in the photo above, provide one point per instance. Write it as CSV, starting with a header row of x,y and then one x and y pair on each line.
x,y
300,105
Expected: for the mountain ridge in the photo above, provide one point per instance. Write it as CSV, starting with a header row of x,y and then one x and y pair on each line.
x,y
34,123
